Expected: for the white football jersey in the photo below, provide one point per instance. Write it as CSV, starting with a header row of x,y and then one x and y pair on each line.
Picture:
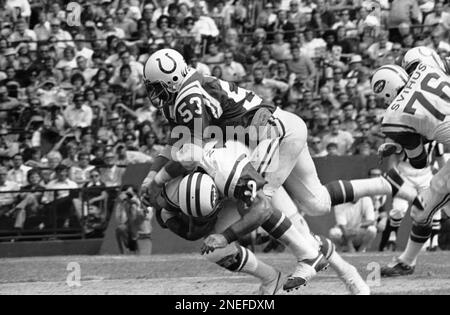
x,y
423,106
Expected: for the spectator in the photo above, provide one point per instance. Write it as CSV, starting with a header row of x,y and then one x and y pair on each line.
x,y
7,103
49,73
214,56
231,70
301,65
111,174
8,193
134,223
22,33
82,67
285,25
342,139
137,69
438,16
266,88
355,225
8,147
7,12
42,28
294,14
312,46
365,136
91,207
344,22
356,68
316,148
78,114
332,149
150,146
204,25
63,38
280,50
403,11
127,25
68,59
111,30
59,197
381,48
265,62
18,174
349,124
438,41
30,200
200,67
326,15
81,49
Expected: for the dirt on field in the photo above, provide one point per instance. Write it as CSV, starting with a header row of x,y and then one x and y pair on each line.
x,y
192,275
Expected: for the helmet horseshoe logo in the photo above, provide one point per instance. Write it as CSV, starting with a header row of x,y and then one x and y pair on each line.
x,y
170,70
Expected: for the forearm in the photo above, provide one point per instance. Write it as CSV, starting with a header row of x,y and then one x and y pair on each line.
x,y
159,162
170,171
254,217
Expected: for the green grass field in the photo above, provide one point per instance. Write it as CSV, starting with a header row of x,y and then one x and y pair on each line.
x,y
191,275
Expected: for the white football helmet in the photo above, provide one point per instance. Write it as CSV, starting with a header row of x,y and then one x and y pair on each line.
x,y
198,196
388,81
164,72
422,54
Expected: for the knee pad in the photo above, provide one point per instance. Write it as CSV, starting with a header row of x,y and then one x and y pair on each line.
x,y
420,233
336,233
230,257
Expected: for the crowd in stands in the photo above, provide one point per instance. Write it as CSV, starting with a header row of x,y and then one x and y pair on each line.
x,y
74,111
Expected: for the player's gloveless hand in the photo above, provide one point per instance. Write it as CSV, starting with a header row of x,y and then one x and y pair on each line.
x,y
151,194
213,242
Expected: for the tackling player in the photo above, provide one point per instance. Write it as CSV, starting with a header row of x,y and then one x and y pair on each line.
x,y
192,100
417,113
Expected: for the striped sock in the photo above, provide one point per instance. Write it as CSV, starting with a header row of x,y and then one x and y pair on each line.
x,y
343,191
255,267
280,227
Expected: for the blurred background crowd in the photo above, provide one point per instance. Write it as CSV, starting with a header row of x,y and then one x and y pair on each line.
x,y
74,112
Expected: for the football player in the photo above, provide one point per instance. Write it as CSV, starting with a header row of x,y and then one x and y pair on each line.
x,y
193,200
417,113
207,106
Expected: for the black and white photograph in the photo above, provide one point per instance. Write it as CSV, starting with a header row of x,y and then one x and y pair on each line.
x,y
222,153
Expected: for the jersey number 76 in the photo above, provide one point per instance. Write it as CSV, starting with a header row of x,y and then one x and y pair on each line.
x,y
419,97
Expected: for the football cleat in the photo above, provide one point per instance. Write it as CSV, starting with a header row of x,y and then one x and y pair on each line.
x,y
305,271
346,272
397,269
272,287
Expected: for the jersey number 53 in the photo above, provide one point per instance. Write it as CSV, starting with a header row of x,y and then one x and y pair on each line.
x,y
185,109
